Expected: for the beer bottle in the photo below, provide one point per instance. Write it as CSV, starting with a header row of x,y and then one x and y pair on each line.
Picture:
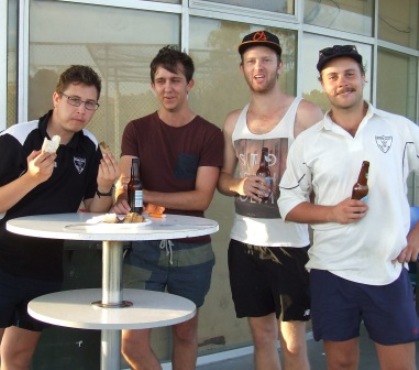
x,y
360,189
135,188
264,171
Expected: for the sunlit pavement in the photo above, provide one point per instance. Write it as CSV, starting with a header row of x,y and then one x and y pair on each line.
x,y
316,357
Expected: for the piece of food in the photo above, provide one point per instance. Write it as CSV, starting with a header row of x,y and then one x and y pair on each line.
x,y
104,148
134,217
51,146
157,215
155,211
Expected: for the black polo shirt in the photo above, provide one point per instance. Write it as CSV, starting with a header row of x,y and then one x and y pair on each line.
x,y
73,179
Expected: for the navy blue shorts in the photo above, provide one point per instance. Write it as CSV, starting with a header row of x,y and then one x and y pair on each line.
x,y
179,268
15,294
269,279
338,306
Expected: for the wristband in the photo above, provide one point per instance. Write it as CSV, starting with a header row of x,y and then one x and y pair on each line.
x,y
108,194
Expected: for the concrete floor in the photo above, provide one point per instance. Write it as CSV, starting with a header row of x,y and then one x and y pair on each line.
x,y
315,353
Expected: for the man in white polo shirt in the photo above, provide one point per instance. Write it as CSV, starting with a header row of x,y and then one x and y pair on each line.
x,y
360,248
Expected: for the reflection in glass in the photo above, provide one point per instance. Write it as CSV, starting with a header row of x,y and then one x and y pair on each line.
x,y
398,22
397,76
213,45
118,44
343,15
278,6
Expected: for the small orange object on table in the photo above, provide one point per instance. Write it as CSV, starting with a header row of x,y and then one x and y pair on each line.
x,y
155,211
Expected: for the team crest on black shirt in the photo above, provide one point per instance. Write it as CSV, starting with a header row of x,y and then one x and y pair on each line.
x,y
80,164
384,142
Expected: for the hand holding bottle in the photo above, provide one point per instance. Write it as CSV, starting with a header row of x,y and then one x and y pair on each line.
x,y
347,211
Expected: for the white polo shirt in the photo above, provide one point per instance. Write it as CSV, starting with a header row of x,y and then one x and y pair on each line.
x,y
327,159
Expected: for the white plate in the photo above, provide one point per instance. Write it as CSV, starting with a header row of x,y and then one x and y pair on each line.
x,y
96,224
122,225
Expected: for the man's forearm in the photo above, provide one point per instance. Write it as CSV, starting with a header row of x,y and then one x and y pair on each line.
x,y
185,200
310,213
228,185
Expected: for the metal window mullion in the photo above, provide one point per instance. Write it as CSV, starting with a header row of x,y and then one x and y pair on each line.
x,y
3,63
23,61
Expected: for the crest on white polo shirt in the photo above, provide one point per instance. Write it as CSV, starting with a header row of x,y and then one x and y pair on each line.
x,y
384,142
79,163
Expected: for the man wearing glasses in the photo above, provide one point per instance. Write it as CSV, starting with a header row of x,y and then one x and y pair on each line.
x,y
361,247
33,181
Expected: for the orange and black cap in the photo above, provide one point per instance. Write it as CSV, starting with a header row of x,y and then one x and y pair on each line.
x,y
260,38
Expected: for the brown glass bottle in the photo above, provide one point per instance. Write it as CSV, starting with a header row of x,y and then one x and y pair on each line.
x,y
135,188
360,189
264,171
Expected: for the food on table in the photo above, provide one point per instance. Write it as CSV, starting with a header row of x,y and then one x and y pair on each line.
x,y
155,211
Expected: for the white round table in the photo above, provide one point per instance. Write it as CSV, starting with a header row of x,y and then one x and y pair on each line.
x,y
105,308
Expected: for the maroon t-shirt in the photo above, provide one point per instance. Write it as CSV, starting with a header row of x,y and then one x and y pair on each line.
x,y
170,156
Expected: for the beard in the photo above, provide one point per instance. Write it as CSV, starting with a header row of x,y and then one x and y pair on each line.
x,y
264,88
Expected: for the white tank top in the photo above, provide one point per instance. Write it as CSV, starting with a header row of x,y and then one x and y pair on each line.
x,y
261,224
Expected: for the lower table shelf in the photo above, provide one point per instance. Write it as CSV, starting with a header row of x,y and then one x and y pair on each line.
x,y
74,308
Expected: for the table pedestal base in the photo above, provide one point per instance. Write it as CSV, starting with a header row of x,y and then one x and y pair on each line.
x,y
112,305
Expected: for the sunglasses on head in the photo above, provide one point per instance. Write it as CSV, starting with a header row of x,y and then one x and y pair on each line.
x,y
338,49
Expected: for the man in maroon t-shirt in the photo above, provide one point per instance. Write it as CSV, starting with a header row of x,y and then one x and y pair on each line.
x,y
180,159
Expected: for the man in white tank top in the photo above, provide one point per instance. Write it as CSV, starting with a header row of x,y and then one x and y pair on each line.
x,y
269,282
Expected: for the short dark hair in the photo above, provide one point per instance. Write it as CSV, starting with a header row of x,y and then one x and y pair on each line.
x,y
79,74
169,57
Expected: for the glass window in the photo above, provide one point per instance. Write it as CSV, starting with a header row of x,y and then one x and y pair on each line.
x,y
397,92
343,15
397,76
121,53
278,6
312,89
213,45
398,22
12,47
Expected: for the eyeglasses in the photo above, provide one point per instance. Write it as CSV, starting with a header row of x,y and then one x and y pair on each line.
x,y
338,49
76,102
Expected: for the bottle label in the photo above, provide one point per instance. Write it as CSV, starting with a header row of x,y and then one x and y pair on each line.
x,y
138,198
269,182
364,199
